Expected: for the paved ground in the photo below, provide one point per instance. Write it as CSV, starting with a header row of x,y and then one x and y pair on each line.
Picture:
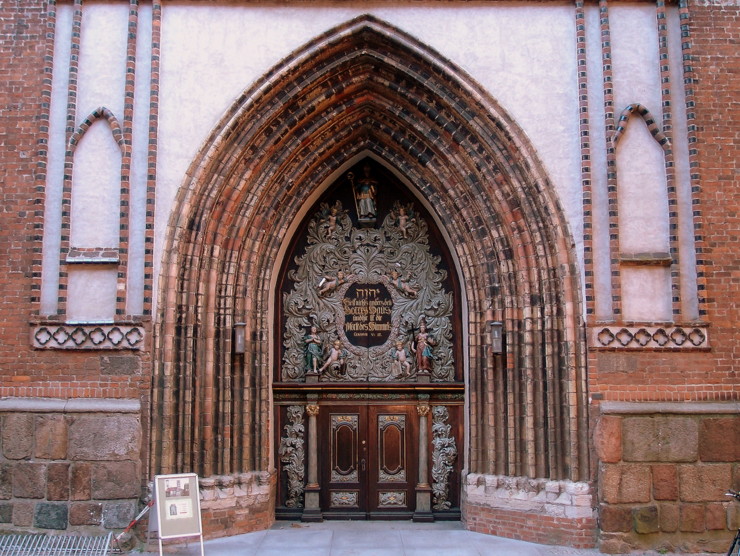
x,y
369,538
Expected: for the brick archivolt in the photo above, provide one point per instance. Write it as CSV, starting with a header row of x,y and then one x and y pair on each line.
x,y
367,89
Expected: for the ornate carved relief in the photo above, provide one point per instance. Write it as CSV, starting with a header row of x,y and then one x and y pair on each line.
x,y
292,455
367,304
650,337
443,457
344,499
87,336
391,499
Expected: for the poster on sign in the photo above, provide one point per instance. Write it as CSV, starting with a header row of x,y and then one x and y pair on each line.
x,y
178,506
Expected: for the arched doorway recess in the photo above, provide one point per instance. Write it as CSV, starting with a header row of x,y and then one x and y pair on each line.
x,y
366,87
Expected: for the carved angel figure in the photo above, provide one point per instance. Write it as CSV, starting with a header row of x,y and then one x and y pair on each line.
x,y
337,360
401,365
404,286
331,283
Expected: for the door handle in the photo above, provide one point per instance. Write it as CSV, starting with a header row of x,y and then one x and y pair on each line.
x,y
362,464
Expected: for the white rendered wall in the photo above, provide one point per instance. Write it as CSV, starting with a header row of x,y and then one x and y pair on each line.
x,y
524,54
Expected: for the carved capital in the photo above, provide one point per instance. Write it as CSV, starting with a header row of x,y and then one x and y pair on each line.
x,y
312,410
422,410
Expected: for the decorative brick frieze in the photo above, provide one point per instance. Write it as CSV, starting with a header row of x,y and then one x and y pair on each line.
x,y
88,336
649,337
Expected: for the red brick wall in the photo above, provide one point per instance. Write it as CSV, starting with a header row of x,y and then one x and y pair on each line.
x,y
710,375
531,527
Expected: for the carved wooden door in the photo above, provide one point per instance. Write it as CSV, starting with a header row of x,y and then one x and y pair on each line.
x,y
368,460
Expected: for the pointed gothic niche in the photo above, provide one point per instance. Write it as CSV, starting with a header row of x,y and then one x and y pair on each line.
x,y
368,289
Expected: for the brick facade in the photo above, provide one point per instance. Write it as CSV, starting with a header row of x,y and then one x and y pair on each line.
x,y
649,427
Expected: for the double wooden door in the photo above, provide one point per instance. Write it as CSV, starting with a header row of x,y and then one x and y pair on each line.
x,y
368,461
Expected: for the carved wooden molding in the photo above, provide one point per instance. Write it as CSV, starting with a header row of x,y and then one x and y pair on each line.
x,y
292,455
88,336
443,457
341,266
649,337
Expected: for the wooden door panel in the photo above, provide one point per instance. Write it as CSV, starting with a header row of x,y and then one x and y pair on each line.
x,y
341,449
392,438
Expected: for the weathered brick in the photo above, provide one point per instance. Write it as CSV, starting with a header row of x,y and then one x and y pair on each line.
x,y
615,518
660,439
23,513
625,483
17,435
29,480
104,438
81,481
50,516
692,518
6,481
669,517
115,480
703,482
607,439
665,482
715,517
51,437
85,513
646,519
57,483
720,439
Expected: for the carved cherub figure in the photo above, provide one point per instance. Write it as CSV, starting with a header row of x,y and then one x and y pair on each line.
x,y
404,286
336,362
404,221
401,365
331,283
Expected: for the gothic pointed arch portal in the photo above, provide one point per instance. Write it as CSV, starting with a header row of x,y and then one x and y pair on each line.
x,y
366,89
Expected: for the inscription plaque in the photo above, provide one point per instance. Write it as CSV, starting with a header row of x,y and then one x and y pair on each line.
x,y
367,314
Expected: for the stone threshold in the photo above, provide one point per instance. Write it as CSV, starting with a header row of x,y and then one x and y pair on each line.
x,y
78,405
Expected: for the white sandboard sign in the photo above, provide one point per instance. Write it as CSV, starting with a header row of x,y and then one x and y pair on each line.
x,y
178,507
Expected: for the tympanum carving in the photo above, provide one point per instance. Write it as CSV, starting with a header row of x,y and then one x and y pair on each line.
x,y
367,303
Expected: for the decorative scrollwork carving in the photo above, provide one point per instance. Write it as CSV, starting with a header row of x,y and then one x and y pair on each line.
x,y
443,457
292,455
394,259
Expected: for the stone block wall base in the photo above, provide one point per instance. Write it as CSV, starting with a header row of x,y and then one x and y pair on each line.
x,y
714,542
530,526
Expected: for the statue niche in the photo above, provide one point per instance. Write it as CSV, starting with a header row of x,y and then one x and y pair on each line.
x,y
364,303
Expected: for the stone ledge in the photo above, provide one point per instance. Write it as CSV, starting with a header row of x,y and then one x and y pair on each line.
x,y
648,408
566,499
78,405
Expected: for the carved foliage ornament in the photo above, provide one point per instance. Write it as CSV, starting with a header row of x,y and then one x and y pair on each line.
x,y
292,456
444,455
378,284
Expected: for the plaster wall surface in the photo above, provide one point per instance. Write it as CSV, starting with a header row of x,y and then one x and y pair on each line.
x,y
522,54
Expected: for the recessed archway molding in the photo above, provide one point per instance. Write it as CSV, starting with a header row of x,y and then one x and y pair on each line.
x,y
367,88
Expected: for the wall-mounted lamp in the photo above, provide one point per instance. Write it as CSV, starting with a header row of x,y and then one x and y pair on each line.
x,y
497,336
239,337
